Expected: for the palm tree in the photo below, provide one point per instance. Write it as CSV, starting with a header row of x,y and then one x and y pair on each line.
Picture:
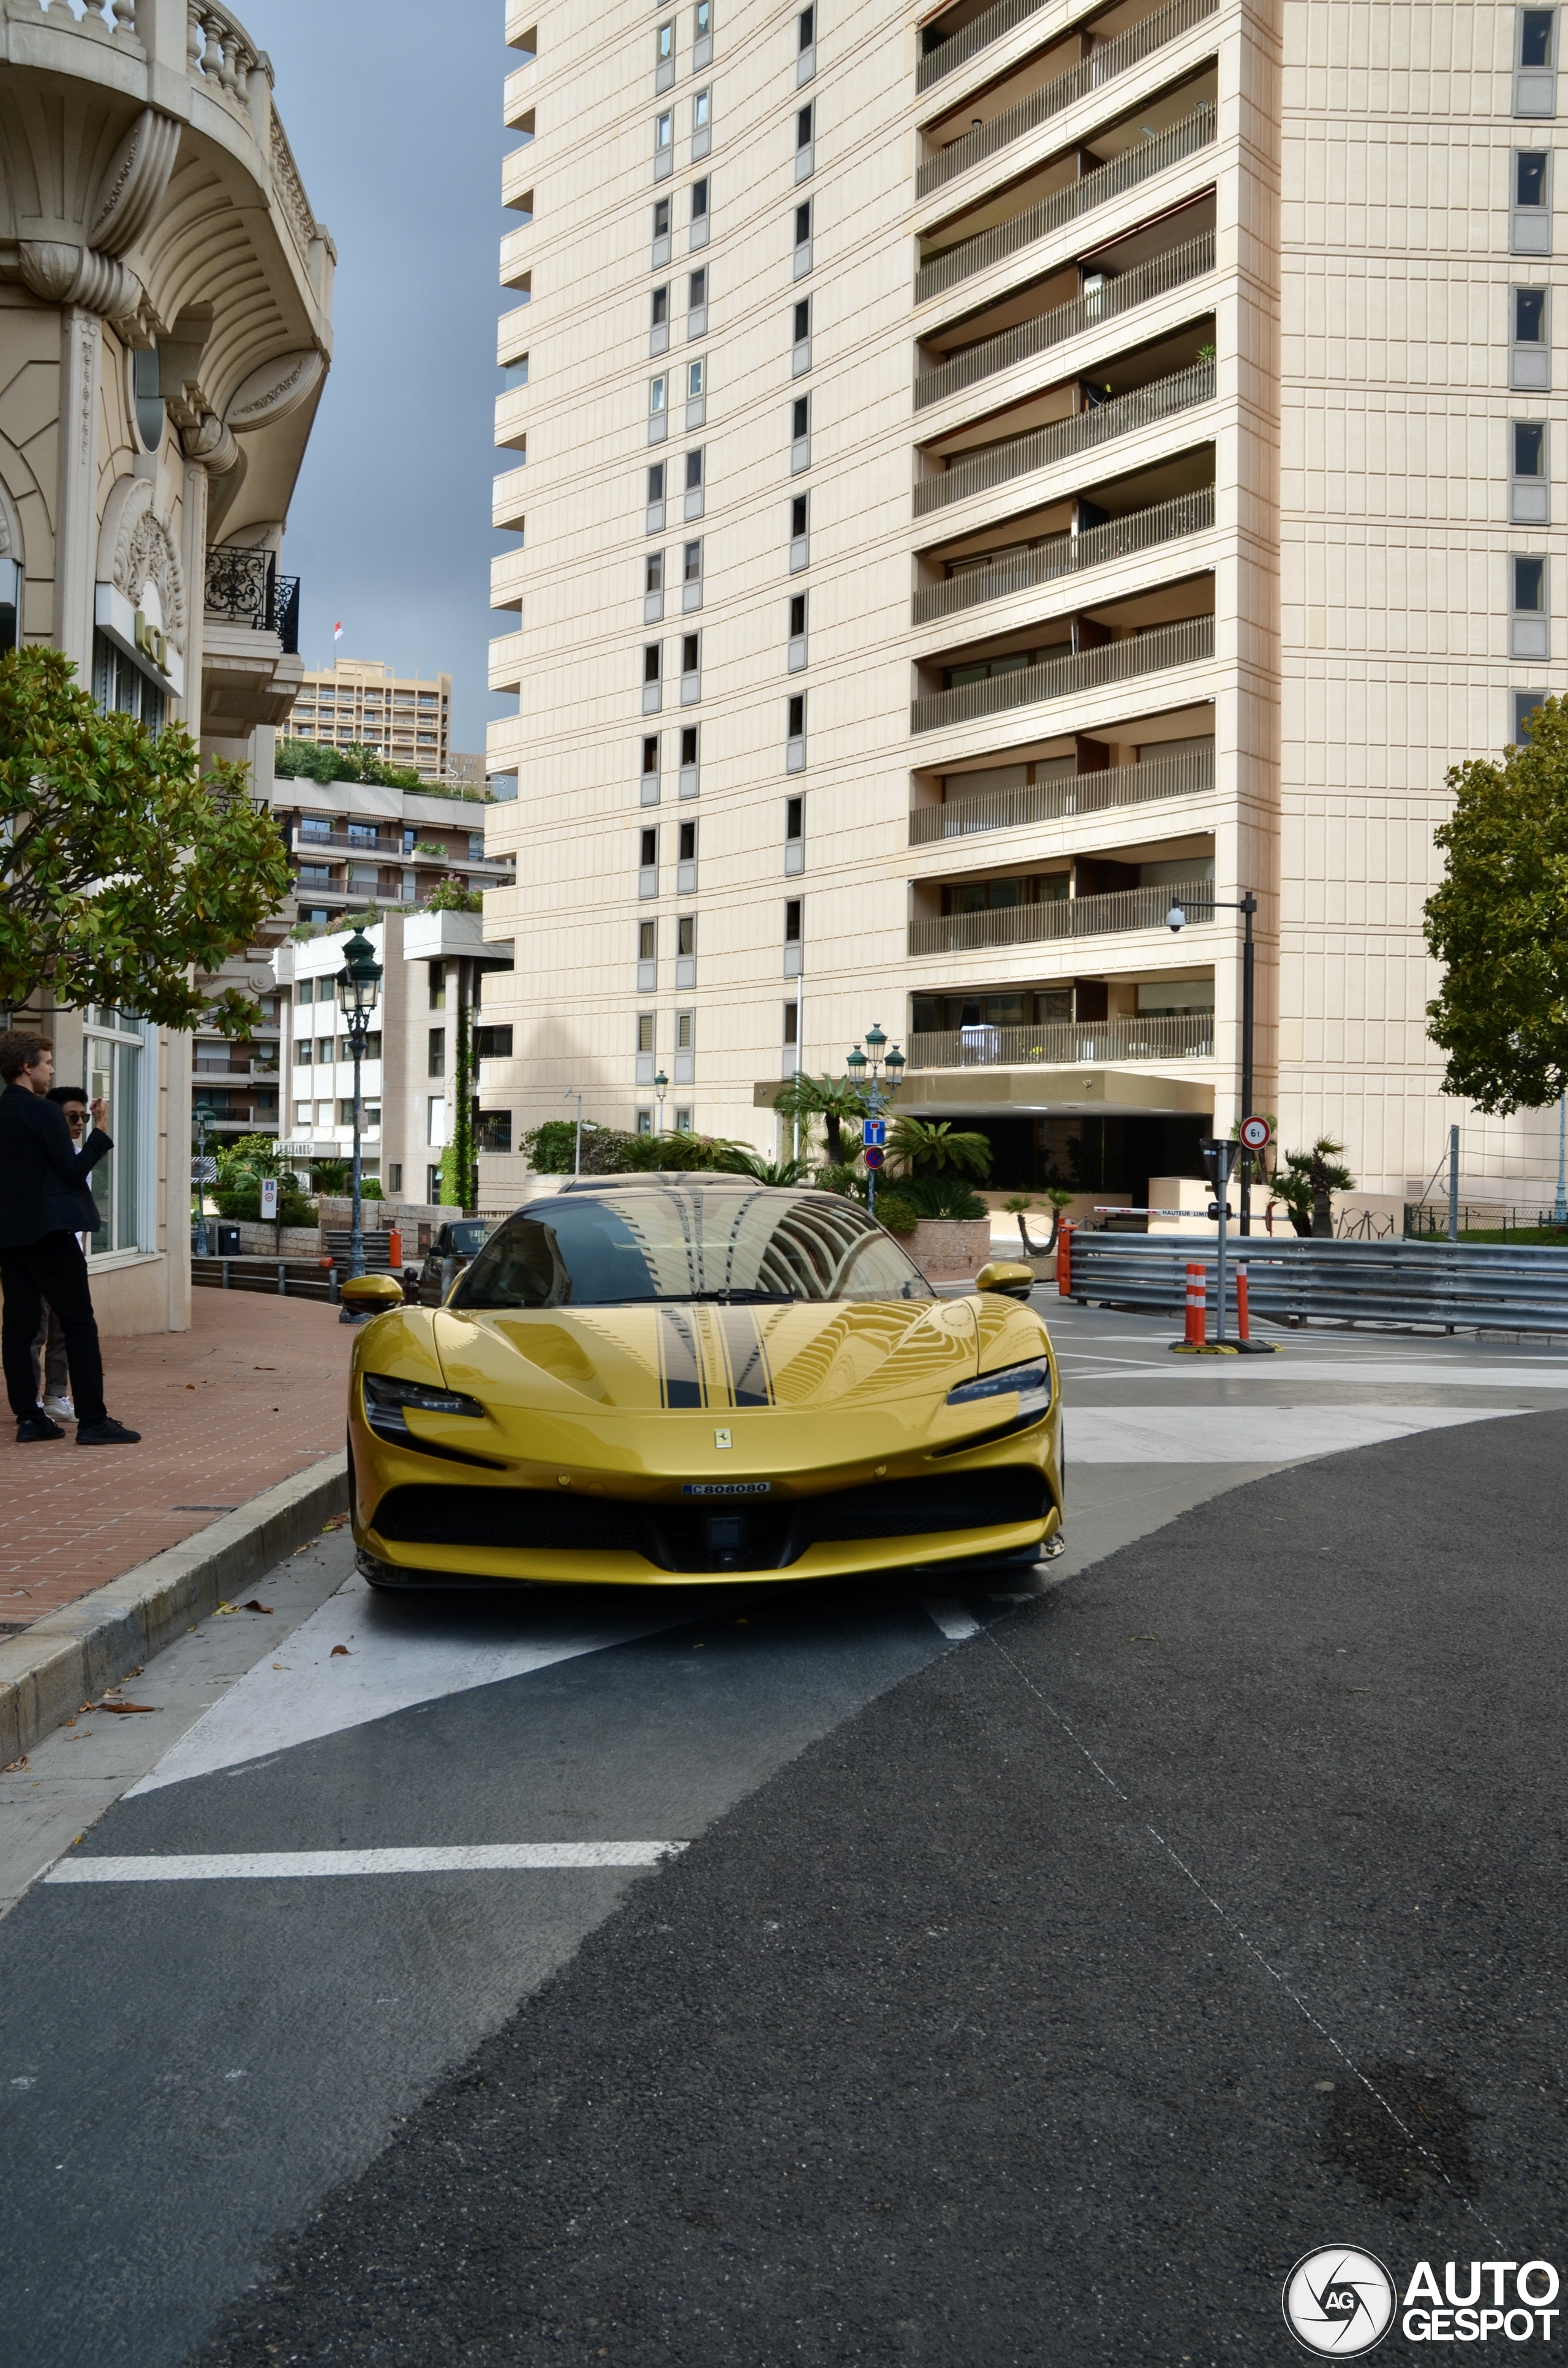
x,y
835,1100
928,1146
736,1160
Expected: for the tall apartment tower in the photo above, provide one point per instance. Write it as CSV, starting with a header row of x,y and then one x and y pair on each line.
x,y
996,483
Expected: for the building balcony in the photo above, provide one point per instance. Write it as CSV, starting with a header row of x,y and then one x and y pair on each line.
x,y
1188,641
1020,456
506,579
1059,918
1015,119
972,584
1066,1044
1017,805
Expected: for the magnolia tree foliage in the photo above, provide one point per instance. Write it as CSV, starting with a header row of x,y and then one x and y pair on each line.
x,y
124,869
1499,924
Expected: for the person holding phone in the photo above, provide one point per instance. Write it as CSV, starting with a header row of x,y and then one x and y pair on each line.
x,y
50,1368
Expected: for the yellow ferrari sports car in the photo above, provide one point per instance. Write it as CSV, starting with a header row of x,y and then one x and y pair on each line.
x,y
661,1379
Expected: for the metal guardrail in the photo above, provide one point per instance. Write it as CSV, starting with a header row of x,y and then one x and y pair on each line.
x,y
285,1278
1191,260
1468,1287
1065,1043
1066,205
1101,66
1023,454
1164,645
1067,554
1059,917
1031,802
978,34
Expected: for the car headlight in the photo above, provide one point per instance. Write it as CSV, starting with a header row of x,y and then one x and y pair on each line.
x,y
1031,1383
387,1398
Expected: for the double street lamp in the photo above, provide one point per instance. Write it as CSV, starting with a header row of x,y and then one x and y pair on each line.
x,y
865,1069
1246,906
661,1084
359,985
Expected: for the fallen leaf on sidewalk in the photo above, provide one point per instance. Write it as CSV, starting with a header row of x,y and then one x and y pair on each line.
x,y
336,1650
121,1709
253,1605
12,1765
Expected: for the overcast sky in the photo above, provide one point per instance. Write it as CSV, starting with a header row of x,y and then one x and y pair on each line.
x,y
393,112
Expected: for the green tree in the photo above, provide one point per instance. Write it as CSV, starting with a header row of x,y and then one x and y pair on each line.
x,y
310,760
1019,1206
125,868
1305,1179
833,1101
735,1159
1498,924
930,1146
453,895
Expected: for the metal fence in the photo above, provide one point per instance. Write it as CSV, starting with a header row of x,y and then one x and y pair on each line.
x,y
1067,554
1031,802
285,1278
245,587
1061,916
1066,205
978,34
1023,454
1163,646
1465,1287
1066,1044
1425,1220
1179,264
1102,66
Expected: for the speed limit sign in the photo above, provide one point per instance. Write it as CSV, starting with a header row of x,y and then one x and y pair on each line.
x,y
1254,1133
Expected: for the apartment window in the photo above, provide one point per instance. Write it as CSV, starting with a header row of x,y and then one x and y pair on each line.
x,y
492,1044
702,35
326,1052
690,669
1535,63
647,957
664,145
800,347
799,434
795,735
303,1050
661,231
802,239
436,1052
691,577
688,760
686,861
664,56
792,1030
1529,490
658,408
653,677
697,304
659,321
492,1130
644,1116
696,393
694,483
653,587
650,777
644,1032
794,940
699,213
433,1182
805,46
794,834
686,1047
305,991
686,950
1530,229
796,654
1529,622
655,515
437,987
1529,340
799,532
701,124
805,145
1525,705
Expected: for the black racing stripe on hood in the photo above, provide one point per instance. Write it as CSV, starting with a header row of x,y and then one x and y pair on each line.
x,y
745,1337
680,1368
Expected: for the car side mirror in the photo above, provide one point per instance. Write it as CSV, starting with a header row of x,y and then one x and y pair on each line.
x,y
371,1294
1008,1276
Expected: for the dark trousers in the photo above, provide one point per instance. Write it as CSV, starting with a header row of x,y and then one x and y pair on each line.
x,y
52,1269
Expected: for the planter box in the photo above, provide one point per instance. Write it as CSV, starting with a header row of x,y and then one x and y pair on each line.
x,y
946,1248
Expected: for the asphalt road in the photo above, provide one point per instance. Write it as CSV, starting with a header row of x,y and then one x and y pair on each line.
x,y
190,2069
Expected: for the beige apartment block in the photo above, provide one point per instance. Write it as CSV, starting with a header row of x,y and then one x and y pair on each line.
x,y
404,719
984,479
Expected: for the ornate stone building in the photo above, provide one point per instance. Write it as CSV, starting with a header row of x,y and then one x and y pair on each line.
x,y
165,296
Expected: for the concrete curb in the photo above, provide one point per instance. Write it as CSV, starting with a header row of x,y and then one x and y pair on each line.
x,y
47,1673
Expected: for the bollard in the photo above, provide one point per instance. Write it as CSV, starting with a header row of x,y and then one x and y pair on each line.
x,y
332,1288
394,1248
1197,1308
1242,1332
283,1280
224,1264
1064,1261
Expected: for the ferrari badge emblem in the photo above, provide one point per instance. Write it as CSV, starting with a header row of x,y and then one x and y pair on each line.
x,y
722,1439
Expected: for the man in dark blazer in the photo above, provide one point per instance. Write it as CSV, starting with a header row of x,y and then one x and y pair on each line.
x,y
44,1204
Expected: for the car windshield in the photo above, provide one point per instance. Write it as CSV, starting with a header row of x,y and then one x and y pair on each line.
x,y
464,1239
683,1243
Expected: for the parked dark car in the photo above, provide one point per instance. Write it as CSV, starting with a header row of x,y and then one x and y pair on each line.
x,y
451,1247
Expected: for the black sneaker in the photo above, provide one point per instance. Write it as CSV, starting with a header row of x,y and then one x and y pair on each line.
x,y
37,1426
107,1433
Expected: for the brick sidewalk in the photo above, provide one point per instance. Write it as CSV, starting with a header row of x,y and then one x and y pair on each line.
x,y
254,1392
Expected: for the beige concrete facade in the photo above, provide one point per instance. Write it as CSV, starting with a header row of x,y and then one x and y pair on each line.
x,y
403,719
165,297
1131,509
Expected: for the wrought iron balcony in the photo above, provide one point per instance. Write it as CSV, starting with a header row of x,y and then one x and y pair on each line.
x,y
1061,916
1066,1044
244,586
1014,805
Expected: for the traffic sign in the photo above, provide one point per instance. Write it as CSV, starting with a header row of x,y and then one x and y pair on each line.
x,y
1256,1133
874,1156
874,1130
269,1198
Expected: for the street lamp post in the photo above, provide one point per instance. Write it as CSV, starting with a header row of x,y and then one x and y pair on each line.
x,y
201,1183
1246,906
661,1084
359,985
865,1073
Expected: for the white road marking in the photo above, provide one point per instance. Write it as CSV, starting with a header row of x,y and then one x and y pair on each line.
x,y
269,1866
1376,1371
950,1616
1249,1434
394,1657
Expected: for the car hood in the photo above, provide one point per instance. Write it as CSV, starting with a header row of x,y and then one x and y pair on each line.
x,y
803,1357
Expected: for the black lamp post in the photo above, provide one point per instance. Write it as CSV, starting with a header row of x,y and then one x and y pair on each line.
x,y
201,1123
359,985
859,1064
1246,906
661,1084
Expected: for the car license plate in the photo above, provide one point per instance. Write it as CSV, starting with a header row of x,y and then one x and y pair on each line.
x,y
727,1489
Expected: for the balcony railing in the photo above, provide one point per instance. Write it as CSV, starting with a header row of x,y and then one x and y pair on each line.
x,y
979,34
1041,446
1080,197
1164,645
339,842
1065,1043
1139,40
245,587
1179,264
1067,554
1026,802
1061,917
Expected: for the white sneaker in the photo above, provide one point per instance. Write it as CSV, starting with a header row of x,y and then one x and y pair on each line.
x,y
60,1410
